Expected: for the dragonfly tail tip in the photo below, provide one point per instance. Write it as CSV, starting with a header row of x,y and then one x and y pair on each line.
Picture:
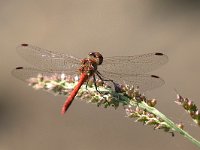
x,y
63,111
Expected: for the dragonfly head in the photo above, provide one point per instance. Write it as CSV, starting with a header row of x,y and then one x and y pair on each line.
x,y
96,56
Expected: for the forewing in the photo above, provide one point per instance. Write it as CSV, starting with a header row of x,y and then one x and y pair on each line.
x,y
133,64
46,59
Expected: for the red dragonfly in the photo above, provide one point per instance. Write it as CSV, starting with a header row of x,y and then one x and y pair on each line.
x,y
117,69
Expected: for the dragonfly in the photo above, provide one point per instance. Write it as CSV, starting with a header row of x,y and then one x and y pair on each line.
x,y
116,69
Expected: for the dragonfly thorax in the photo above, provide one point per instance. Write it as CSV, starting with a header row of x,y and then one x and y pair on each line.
x,y
89,65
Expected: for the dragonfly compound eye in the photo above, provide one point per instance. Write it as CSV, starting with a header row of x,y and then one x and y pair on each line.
x,y
97,56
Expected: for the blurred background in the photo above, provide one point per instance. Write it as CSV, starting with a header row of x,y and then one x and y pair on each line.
x,y
31,119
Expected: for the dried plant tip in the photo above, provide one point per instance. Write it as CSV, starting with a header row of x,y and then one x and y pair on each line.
x,y
139,111
179,98
197,113
162,126
99,83
143,98
141,119
190,107
192,114
90,83
197,117
150,115
151,122
151,102
86,96
120,88
180,125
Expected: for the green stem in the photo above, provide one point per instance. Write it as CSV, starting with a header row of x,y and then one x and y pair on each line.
x,y
153,110
143,105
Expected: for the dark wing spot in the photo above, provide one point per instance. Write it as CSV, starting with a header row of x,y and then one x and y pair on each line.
x,y
24,44
19,67
154,76
159,54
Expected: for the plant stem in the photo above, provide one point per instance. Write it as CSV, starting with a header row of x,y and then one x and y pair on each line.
x,y
153,110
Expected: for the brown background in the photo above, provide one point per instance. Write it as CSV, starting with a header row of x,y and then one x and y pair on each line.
x,y
31,119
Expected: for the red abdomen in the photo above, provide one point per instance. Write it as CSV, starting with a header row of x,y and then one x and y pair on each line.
x,y
70,98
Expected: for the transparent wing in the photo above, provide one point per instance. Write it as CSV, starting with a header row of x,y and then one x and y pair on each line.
x,y
47,60
24,73
145,82
133,64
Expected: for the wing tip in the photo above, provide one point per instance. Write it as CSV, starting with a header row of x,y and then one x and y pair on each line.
x,y
163,56
17,68
24,44
159,54
154,76
161,80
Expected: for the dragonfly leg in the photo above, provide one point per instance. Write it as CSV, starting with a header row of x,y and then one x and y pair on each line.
x,y
95,84
116,85
94,80
100,77
86,85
